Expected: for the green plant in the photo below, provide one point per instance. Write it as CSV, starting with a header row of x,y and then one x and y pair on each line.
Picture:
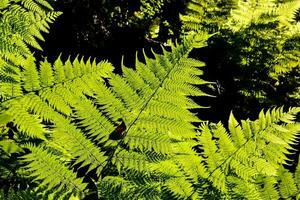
x,y
206,16
151,101
254,55
154,156
247,161
77,130
22,22
21,25
273,21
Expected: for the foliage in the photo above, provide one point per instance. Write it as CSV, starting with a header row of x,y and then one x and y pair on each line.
x,y
255,55
261,17
22,22
52,108
76,129
21,25
153,158
246,161
207,15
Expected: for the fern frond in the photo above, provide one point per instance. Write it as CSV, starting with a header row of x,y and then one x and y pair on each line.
x,y
44,3
83,150
26,123
111,185
287,186
244,189
250,150
129,160
286,12
206,16
71,108
249,12
30,75
269,190
22,24
39,104
259,24
178,188
53,174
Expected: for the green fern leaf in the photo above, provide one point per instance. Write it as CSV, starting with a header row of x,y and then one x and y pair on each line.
x,y
257,153
53,174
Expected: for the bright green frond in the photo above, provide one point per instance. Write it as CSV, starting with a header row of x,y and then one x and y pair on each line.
x,y
138,120
45,166
251,151
287,186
